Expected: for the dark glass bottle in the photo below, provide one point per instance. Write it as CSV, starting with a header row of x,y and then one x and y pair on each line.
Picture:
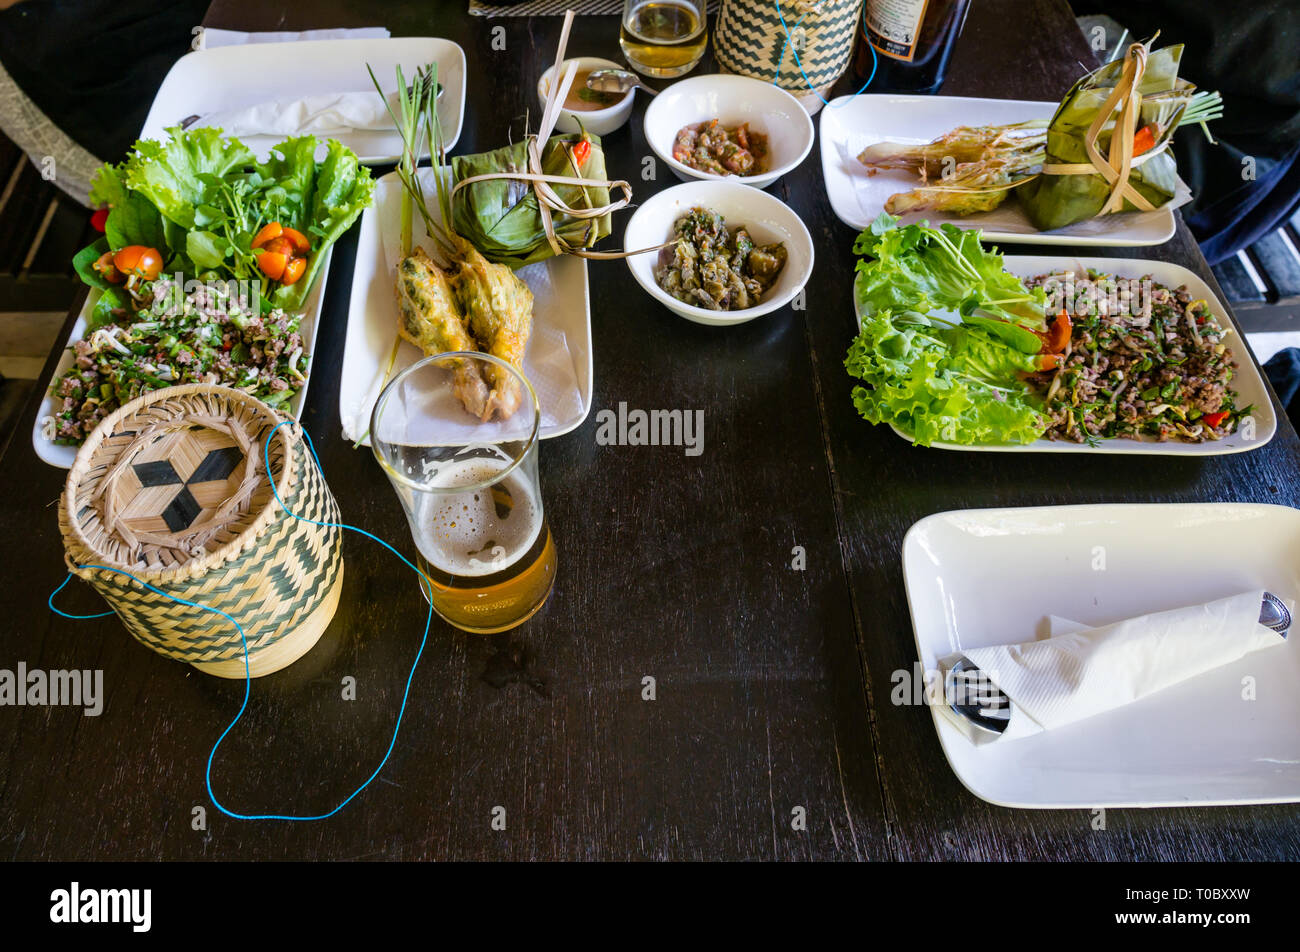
x,y
913,40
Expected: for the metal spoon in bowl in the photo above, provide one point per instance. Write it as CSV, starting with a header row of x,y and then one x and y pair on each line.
x,y
617,81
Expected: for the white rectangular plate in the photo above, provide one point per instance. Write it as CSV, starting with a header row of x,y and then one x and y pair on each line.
x,y
984,577
1247,381
851,123
234,77
560,302
62,456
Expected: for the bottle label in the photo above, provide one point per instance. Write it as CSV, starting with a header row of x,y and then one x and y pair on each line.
x,y
894,26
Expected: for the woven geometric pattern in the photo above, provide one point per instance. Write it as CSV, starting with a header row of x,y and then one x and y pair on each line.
x,y
180,481
174,489
268,589
750,39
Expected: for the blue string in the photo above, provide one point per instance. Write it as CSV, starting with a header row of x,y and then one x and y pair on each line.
x,y
248,681
875,61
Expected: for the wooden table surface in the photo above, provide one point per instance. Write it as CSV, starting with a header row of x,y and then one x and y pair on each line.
x,y
772,683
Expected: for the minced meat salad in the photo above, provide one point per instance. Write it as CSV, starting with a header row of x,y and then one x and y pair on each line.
x,y
714,267
1160,373
711,147
204,338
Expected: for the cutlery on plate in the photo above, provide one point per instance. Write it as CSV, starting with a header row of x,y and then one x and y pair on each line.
x,y
982,703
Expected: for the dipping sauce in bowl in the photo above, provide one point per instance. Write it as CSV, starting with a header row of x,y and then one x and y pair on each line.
x,y
586,109
582,99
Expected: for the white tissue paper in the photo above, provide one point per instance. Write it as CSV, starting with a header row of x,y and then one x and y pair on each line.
x,y
548,362
328,114
1081,671
215,38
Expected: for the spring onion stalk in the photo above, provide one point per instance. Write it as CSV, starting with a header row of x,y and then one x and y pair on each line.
x,y
413,103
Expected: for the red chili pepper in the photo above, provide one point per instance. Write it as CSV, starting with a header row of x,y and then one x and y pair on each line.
x,y
1057,337
98,219
1144,140
1214,419
581,150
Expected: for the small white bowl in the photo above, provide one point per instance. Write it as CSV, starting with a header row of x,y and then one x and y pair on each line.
x,y
733,100
598,121
766,218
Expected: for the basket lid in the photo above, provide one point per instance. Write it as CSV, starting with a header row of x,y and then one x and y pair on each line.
x,y
176,477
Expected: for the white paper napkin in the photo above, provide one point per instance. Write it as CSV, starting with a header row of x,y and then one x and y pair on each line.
x,y
327,114
1080,671
548,362
215,38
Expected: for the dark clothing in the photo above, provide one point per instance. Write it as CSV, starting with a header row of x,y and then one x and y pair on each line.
x,y
1283,371
94,66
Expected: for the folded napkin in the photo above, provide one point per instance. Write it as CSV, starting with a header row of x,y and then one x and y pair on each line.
x,y
214,38
328,114
1079,672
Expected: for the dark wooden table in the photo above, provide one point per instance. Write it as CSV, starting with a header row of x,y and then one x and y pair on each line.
x,y
772,684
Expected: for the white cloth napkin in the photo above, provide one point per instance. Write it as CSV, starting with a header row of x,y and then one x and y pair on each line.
x,y
548,362
214,38
328,114
1080,671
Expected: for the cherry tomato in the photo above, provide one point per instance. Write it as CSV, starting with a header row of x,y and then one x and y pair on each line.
x,y
266,233
98,219
272,264
138,261
1049,361
104,265
293,271
298,240
281,246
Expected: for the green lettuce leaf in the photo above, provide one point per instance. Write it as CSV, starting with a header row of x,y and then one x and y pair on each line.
x,y
341,190
937,383
922,269
172,174
135,221
291,166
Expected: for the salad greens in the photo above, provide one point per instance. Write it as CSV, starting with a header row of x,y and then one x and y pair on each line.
x,y
200,199
957,380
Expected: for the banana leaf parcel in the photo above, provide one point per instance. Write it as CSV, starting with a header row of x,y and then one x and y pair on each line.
x,y
500,216
1074,184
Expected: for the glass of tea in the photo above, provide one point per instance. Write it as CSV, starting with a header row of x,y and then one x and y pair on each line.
x,y
663,38
470,489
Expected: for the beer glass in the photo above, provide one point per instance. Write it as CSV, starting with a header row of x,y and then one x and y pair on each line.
x,y
663,38
470,490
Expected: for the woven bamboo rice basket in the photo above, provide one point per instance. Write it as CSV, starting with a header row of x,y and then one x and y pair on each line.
x,y
751,39
173,489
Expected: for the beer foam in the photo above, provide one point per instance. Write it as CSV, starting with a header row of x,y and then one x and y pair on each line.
x,y
481,531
